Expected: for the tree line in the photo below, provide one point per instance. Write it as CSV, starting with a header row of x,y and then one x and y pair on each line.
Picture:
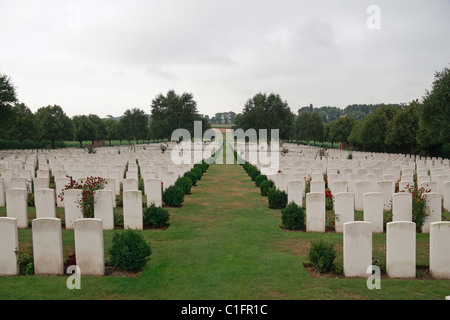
x,y
416,127
50,123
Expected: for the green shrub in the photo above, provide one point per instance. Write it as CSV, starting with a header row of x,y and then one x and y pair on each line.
x,y
259,179
129,250
156,216
173,196
25,260
277,198
293,217
265,186
185,184
322,255
192,176
254,173
201,167
198,172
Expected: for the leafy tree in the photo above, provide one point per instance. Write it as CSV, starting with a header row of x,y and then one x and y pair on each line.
x,y
23,124
373,131
54,124
112,129
340,129
401,130
301,126
84,129
7,99
134,124
171,112
434,124
266,112
309,127
100,128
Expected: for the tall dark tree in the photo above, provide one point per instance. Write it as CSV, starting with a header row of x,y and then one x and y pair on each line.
x,y
84,129
340,129
23,124
266,112
112,129
171,112
434,126
54,124
134,124
7,99
401,130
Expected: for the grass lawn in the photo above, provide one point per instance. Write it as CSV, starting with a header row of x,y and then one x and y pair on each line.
x,y
224,243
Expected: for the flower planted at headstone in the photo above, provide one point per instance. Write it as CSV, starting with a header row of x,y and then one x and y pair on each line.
x,y
88,187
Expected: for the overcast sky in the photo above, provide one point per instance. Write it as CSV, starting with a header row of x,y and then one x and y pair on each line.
x,y
104,57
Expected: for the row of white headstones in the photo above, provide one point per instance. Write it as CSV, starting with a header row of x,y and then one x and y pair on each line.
x,y
400,254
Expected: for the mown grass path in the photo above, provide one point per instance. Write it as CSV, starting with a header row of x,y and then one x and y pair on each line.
x,y
223,243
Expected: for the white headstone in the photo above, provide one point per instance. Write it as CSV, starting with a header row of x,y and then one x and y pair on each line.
x,y
315,212
2,192
387,188
357,256
361,187
9,245
154,193
434,209
103,208
373,210
401,249
439,250
89,247
132,209
295,192
47,246
402,206
16,206
344,209
72,207
44,200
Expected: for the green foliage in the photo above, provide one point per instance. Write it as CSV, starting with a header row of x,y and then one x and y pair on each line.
x,y
401,130
265,186
129,251
340,129
185,184
198,171
133,125
25,260
277,198
322,255
293,217
156,216
254,172
173,111
173,196
309,127
434,123
54,124
266,112
192,176
260,179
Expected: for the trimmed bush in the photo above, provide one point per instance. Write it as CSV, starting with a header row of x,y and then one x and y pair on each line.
x,y
265,186
198,171
322,255
277,198
293,217
254,173
192,176
185,184
156,216
129,251
259,179
173,196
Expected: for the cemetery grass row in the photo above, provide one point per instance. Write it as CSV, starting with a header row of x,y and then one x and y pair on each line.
x,y
225,243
